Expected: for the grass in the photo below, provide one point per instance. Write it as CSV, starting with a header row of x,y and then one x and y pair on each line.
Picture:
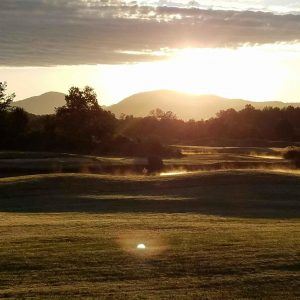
x,y
246,193
91,255
227,234
196,158
28,163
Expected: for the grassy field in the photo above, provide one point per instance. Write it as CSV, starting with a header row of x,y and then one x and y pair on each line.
x,y
222,234
195,158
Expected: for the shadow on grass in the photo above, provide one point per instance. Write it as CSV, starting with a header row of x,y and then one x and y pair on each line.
x,y
233,194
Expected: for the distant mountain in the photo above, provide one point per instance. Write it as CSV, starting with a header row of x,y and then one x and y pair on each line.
x,y
185,106
43,104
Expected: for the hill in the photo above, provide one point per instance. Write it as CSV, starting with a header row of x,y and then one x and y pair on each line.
x,y
43,104
185,106
219,234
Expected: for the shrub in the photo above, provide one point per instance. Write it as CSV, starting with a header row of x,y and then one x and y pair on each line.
x,y
155,164
293,155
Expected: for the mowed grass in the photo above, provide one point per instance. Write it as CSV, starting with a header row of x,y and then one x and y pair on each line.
x,y
195,158
233,193
191,256
209,235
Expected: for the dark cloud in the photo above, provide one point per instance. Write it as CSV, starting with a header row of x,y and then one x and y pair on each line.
x,y
52,32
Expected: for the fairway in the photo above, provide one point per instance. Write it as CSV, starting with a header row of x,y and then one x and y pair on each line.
x,y
222,234
195,256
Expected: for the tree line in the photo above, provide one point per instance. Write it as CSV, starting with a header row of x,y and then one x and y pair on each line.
x,y
247,127
80,126
83,126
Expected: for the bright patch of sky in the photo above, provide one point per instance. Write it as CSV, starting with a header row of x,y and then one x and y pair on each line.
x,y
268,72
278,6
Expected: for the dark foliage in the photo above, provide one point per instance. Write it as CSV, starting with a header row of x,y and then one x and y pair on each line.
x,y
155,164
82,126
5,100
13,121
249,126
293,154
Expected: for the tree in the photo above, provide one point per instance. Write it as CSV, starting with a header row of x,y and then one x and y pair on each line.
x,y
18,120
82,124
5,105
284,129
5,100
81,100
162,115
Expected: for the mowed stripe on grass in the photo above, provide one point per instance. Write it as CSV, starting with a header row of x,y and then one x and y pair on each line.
x,y
74,254
214,235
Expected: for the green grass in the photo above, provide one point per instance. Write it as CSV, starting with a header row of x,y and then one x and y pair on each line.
x,y
27,163
228,234
247,193
196,158
91,255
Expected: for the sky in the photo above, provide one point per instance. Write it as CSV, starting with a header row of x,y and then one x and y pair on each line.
x,y
237,49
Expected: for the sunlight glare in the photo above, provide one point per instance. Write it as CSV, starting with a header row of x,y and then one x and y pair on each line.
x,y
173,173
248,72
141,246
245,72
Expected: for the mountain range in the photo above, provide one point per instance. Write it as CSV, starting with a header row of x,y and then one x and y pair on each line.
x,y
42,105
185,106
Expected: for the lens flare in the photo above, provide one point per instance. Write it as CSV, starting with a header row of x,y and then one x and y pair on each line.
x,y
141,246
142,243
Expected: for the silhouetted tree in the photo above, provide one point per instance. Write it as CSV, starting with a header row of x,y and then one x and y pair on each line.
x,y
162,115
81,100
155,164
18,120
5,99
82,124
284,129
5,106
17,123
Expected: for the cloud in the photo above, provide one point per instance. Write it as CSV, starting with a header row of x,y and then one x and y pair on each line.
x,y
72,32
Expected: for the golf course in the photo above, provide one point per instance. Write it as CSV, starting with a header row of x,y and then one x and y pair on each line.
x,y
218,223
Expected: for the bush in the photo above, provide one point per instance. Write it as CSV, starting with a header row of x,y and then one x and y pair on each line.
x,y
294,156
147,147
155,164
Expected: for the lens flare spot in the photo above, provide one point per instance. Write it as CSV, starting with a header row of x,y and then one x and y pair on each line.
x,y
141,246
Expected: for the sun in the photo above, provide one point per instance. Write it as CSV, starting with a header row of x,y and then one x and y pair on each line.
x,y
248,72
